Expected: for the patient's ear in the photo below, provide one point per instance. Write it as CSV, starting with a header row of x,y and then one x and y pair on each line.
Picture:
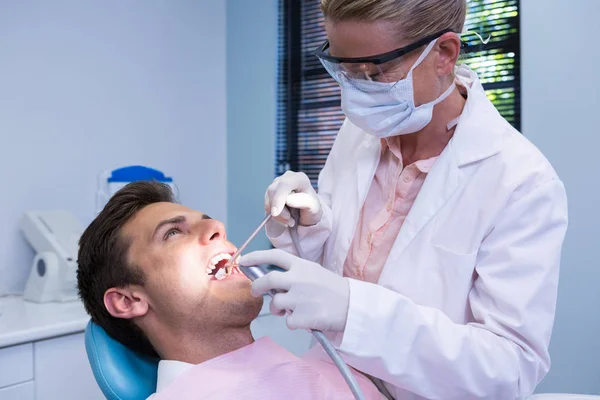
x,y
125,302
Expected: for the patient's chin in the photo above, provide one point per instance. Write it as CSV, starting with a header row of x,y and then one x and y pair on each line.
x,y
249,307
228,304
257,303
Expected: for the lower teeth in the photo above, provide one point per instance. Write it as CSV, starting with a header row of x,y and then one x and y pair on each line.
x,y
221,274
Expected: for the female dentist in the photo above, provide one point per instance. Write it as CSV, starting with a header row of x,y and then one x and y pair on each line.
x,y
438,225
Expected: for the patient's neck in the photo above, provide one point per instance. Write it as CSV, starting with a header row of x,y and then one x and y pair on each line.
x,y
196,347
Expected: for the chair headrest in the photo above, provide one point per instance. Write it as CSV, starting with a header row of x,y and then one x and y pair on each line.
x,y
121,373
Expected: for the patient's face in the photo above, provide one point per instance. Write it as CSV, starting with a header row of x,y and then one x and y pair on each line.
x,y
180,250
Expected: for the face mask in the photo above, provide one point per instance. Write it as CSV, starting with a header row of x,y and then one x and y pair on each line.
x,y
383,110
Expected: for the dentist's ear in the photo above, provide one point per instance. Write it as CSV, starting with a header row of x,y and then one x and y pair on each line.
x,y
449,46
125,303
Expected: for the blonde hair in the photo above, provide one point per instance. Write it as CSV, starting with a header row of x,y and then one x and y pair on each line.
x,y
415,18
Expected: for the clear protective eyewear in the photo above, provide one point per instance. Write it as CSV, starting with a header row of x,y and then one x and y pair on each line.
x,y
373,73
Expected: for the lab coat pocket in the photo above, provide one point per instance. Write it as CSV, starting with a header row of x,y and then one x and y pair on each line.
x,y
453,264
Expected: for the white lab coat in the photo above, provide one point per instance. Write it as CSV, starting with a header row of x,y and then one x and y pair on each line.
x,y
464,307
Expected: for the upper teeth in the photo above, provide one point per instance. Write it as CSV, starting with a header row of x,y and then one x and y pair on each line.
x,y
218,258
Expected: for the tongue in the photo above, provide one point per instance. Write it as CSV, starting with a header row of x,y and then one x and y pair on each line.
x,y
220,265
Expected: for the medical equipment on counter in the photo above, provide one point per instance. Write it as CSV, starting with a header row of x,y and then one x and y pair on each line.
x,y
255,272
109,182
54,235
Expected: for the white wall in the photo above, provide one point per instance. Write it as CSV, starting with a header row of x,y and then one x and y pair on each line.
x,y
561,115
251,114
87,86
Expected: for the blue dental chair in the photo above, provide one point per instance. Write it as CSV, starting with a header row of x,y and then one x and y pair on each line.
x,y
121,374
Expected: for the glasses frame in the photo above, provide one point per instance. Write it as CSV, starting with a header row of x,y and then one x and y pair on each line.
x,y
379,59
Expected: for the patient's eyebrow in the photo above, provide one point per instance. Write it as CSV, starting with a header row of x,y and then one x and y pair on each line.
x,y
175,220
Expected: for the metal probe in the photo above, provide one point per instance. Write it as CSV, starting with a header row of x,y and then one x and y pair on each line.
x,y
232,260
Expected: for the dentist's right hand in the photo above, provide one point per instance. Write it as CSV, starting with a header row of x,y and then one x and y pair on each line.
x,y
293,189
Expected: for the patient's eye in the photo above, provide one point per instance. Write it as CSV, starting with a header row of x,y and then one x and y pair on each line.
x,y
171,232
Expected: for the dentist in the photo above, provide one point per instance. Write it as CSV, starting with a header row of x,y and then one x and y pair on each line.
x,y
434,241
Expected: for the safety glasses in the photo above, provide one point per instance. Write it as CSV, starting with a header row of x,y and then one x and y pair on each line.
x,y
366,72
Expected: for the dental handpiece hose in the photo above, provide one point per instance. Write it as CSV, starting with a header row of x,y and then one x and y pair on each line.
x,y
318,335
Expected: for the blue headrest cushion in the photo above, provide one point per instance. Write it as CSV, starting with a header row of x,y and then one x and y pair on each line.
x,y
121,373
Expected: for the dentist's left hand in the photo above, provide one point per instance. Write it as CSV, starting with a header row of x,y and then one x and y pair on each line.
x,y
316,298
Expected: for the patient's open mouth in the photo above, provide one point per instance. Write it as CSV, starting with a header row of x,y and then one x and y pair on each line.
x,y
216,266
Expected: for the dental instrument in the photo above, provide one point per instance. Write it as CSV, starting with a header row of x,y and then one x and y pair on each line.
x,y
233,258
257,271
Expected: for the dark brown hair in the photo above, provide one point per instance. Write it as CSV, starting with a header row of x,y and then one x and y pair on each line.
x,y
102,260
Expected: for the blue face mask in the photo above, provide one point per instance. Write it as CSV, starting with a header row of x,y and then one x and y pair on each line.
x,y
383,109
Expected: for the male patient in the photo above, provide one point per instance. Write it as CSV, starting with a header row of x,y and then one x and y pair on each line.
x,y
149,275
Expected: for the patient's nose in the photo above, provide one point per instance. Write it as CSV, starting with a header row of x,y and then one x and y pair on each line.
x,y
213,230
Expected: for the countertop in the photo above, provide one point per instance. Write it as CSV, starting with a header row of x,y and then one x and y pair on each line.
x,y
23,321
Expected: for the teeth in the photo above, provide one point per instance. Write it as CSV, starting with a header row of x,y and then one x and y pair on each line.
x,y
221,274
219,257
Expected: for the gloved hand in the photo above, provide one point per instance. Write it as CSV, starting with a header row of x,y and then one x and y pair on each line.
x,y
294,190
317,298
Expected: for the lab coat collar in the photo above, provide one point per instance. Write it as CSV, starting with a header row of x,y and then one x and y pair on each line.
x,y
478,134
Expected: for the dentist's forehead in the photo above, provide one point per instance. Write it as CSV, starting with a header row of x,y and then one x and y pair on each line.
x,y
351,39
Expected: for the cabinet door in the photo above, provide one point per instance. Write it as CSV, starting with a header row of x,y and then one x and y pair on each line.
x,y
22,391
62,370
16,364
